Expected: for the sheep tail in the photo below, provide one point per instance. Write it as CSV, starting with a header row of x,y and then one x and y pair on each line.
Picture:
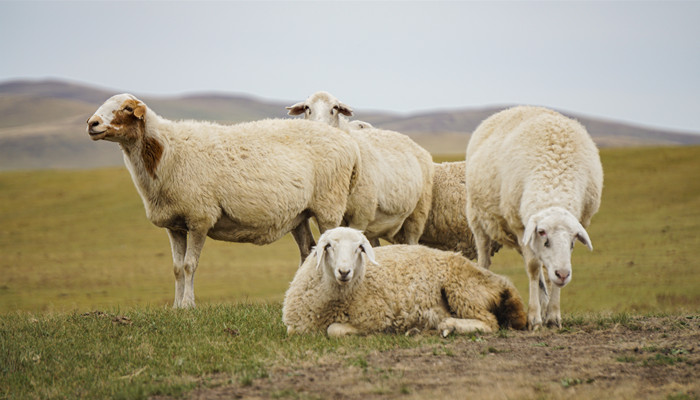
x,y
510,310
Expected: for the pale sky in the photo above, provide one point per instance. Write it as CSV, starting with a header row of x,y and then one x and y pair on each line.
x,y
629,61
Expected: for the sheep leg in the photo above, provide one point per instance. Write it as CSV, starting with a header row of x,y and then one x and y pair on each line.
x,y
338,330
534,268
178,246
483,247
195,243
553,318
462,326
304,238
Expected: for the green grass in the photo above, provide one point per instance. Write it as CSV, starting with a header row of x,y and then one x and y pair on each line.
x,y
79,240
148,351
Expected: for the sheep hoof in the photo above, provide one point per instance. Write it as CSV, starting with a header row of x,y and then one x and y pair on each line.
x,y
445,333
412,332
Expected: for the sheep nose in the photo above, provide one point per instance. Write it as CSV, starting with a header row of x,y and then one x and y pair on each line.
x,y
562,274
344,273
94,121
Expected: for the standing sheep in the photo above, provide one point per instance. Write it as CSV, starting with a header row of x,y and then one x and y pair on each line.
x,y
251,182
347,287
397,174
534,180
446,227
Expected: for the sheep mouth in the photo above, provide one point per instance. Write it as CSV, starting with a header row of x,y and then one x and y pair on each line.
x,y
343,281
96,134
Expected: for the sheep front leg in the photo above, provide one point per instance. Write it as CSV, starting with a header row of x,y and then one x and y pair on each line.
x,y
553,317
339,330
533,267
483,247
178,246
195,243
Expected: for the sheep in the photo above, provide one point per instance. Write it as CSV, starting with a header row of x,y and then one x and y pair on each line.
x,y
347,287
252,182
398,173
446,227
534,181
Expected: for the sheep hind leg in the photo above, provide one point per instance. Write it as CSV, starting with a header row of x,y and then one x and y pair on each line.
x,y
178,246
462,326
304,238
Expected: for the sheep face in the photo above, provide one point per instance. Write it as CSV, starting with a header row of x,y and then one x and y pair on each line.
x,y
343,254
551,234
322,107
120,119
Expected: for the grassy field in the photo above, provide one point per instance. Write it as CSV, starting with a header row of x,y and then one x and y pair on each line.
x,y
79,240
86,283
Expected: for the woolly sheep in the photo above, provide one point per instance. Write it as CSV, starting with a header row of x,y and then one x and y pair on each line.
x,y
347,287
252,182
446,227
397,174
534,180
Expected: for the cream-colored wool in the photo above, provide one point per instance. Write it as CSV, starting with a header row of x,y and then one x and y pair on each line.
x,y
347,287
397,174
447,227
251,182
534,180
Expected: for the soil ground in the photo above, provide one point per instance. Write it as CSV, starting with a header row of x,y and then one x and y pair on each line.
x,y
639,358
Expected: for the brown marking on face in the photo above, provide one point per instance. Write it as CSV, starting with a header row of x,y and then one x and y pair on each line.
x,y
151,152
128,122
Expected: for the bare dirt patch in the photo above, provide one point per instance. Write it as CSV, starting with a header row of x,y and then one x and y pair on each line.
x,y
635,358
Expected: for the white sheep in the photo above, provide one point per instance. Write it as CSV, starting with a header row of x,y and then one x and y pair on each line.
x,y
252,182
347,287
534,180
446,227
397,174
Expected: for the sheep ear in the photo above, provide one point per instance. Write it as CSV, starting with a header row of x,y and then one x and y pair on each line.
x,y
140,111
320,251
296,109
529,233
369,251
345,110
582,236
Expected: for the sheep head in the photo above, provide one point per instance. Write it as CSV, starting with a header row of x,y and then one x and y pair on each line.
x,y
343,254
323,107
551,234
120,119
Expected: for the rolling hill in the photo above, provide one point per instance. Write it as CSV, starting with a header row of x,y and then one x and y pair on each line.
x,y
42,124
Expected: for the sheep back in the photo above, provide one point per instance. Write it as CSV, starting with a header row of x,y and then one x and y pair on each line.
x,y
254,180
525,159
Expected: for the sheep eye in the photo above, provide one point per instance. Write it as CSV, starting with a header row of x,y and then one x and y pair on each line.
x,y
327,247
546,243
128,109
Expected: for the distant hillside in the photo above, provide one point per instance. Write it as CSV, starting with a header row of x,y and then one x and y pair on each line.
x,y
42,124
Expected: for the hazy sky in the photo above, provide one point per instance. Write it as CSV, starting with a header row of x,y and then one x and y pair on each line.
x,y
629,61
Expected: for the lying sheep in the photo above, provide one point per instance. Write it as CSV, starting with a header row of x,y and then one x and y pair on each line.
x,y
251,182
397,174
347,287
446,227
534,180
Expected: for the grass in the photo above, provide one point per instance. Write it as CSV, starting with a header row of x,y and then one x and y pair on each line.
x,y
149,351
79,240
73,242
